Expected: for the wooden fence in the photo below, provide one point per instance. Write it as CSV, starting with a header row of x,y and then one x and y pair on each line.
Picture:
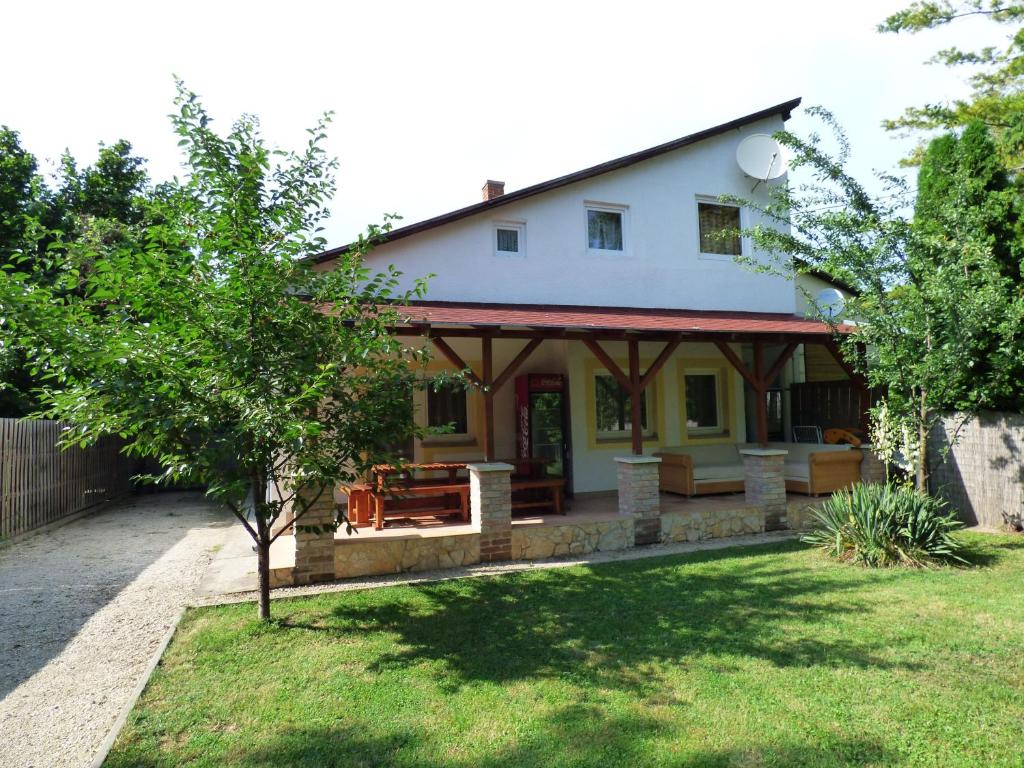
x,y
831,404
40,484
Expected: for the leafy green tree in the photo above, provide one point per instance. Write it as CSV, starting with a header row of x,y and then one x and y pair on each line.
x,y
208,341
36,217
933,299
997,84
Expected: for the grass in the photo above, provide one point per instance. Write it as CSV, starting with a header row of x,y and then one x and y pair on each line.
x,y
769,656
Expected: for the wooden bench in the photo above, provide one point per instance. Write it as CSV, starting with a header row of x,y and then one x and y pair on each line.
x,y
414,500
556,486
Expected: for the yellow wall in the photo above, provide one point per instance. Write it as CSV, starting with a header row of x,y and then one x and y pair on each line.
x,y
727,377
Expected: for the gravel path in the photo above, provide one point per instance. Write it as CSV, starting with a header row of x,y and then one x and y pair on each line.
x,y
82,610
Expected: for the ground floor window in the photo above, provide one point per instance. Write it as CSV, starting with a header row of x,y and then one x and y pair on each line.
x,y
446,406
613,408
703,398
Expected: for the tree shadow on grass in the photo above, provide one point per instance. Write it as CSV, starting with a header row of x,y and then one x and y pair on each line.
x,y
987,550
576,737
616,624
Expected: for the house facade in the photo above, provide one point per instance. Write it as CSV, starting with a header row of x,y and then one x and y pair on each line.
x,y
587,286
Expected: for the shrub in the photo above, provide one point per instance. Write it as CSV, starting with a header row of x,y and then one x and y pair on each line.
x,y
885,525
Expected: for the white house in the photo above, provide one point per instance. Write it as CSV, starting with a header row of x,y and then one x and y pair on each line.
x,y
565,297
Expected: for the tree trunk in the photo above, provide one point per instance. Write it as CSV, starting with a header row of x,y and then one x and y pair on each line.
x,y
921,481
263,574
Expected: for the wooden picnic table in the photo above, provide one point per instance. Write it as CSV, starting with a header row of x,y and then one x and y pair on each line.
x,y
409,496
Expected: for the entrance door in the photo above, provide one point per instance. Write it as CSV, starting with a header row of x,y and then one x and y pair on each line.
x,y
548,434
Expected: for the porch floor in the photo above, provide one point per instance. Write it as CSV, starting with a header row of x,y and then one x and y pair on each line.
x,y
584,508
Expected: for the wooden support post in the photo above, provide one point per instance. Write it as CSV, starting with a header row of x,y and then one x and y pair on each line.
x,y
777,368
488,392
454,359
517,361
736,363
761,393
608,363
636,392
659,362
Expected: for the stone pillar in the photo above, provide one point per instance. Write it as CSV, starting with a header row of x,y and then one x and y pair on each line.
x,y
764,484
314,552
872,468
638,495
490,509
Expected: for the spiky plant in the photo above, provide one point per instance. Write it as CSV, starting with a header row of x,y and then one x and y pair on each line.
x,y
886,525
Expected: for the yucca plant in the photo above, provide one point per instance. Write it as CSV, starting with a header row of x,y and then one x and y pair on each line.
x,y
886,525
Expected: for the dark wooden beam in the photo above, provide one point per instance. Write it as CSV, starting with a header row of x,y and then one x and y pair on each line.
x,y
635,417
837,353
608,363
488,381
517,361
760,392
659,362
779,363
454,359
736,363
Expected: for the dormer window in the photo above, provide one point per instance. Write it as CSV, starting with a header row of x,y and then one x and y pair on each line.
x,y
509,239
606,228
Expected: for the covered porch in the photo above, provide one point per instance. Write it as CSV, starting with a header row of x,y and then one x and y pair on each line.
x,y
626,386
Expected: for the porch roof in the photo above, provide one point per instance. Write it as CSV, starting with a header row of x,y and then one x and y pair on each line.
x,y
556,317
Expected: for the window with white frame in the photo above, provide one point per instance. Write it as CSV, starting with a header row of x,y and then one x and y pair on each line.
x,y
446,406
703,403
606,228
719,229
510,238
613,409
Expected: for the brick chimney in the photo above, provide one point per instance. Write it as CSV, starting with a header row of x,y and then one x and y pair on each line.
x,y
493,189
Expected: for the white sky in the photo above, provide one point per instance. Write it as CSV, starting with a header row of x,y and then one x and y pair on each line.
x,y
432,98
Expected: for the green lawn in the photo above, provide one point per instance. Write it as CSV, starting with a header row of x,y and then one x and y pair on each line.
x,y
768,656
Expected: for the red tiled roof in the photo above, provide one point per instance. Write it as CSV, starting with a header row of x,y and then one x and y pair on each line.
x,y
612,318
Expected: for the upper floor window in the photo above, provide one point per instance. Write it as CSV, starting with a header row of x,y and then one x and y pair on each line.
x,y
719,229
606,228
510,239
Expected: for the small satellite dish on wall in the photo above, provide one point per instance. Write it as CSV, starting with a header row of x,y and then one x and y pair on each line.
x,y
830,302
761,157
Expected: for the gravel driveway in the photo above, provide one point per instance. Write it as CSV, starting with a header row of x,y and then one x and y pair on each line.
x,y
82,610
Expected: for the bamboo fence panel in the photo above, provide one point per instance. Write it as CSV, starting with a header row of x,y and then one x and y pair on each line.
x,y
41,484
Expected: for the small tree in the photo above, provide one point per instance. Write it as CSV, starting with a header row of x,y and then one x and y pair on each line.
x,y
205,338
932,296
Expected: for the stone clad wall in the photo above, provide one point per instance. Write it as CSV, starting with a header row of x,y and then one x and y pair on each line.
x,y
716,524
535,542
376,557
978,466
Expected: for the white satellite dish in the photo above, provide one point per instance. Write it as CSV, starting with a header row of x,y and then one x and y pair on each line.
x,y
761,157
830,302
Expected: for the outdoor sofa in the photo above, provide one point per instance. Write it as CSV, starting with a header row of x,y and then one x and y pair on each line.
x,y
810,468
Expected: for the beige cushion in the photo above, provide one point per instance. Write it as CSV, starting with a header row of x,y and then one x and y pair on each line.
x,y
724,472
796,471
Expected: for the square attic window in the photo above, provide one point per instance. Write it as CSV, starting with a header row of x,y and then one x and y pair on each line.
x,y
719,229
509,239
604,229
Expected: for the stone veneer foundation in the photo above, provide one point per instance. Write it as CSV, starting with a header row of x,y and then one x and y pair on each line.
x,y
375,557
536,542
